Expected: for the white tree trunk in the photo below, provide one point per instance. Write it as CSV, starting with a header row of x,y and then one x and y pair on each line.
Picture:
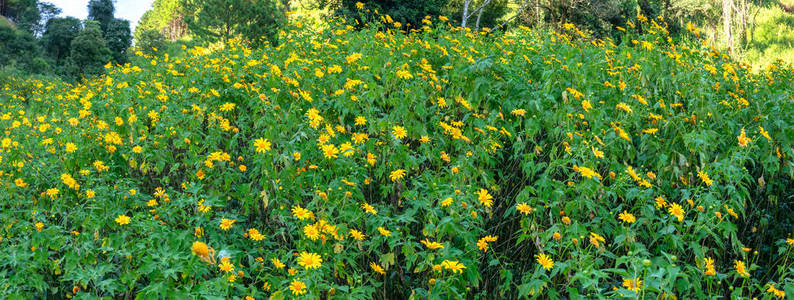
x,y
727,8
465,13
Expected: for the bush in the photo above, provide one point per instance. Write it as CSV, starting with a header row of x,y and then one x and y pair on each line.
x,y
374,164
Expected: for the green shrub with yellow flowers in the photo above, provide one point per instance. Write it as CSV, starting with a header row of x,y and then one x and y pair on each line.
x,y
381,162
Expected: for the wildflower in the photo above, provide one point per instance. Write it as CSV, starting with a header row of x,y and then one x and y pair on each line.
x,y
371,159
311,231
743,140
310,260
377,268
627,217
705,178
431,245
597,153
399,132
587,172
545,261
225,265
254,235
227,106
485,198
123,220
741,269
297,287
330,151
524,208
632,284
357,234
361,120
677,211
39,226
262,145
790,241
200,249
301,213
774,291
369,209
226,224
764,133
596,240
518,112
483,242
586,105
397,174
446,202
660,202
385,232
70,147
709,267
453,266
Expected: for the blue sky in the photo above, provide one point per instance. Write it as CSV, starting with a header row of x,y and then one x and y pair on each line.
x,y
131,10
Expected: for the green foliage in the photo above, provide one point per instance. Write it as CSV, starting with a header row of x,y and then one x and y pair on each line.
x,y
771,38
165,15
118,38
58,36
499,148
256,21
407,12
18,49
102,12
24,13
149,41
89,53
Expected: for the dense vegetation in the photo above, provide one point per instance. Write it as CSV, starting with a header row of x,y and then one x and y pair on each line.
x,y
374,163
34,41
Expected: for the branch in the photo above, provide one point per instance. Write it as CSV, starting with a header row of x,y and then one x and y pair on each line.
x,y
520,9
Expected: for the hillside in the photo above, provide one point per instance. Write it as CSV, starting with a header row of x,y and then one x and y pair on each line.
x,y
376,164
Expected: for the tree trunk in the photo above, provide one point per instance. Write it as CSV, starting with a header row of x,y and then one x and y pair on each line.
x,y
465,13
743,33
479,15
727,7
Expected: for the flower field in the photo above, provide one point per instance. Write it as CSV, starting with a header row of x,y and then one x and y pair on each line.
x,y
376,163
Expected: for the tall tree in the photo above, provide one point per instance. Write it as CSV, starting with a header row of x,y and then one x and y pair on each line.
x,y
118,38
102,12
24,13
47,11
89,53
407,12
254,20
58,36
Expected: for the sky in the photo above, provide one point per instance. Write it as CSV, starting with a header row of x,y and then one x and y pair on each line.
x,y
131,10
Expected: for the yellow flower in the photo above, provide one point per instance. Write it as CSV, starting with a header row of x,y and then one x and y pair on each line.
x,y
485,198
524,208
597,153
70,148
446,202
677,211
587,172
399,132
297,287
774,291
453,266
262,145
226,224
357,234
384,232
311,231
369,209
39,226
330,151
377,268
361,120
741,269
123,220
634,284
432,245
277,263
301,213
200,249
743,140
310,260
483,242
627,217
705,178
764,133
225,265
545,261
596,240
710,271
397,174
